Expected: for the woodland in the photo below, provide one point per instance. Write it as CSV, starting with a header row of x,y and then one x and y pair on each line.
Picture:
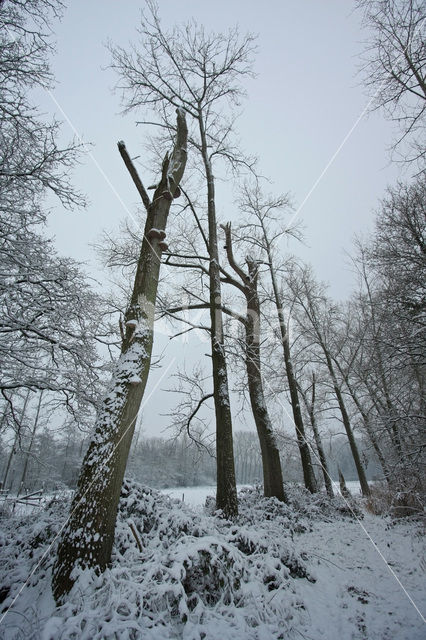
x,y
82,517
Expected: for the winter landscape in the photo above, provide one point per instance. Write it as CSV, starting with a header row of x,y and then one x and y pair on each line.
x,y
212,327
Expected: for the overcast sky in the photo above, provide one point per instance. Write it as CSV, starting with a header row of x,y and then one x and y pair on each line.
x,y
303,118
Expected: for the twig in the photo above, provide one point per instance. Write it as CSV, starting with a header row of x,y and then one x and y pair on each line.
x,y
135,534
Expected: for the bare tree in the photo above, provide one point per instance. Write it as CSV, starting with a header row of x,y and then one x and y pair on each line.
x,y
317,323
386,378
310,402
89,534
31,161
49,313
247,283
395,66
263,209
51,320
200,73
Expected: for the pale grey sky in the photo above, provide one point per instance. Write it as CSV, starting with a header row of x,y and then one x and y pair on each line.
x,y
302,105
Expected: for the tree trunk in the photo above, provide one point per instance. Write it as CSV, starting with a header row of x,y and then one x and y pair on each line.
x,y
89,533
15,442
226,496
365,489
271,463
27,457
323,460
369,431
308,471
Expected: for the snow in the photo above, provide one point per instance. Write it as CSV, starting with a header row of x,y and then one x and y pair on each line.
x,y
313,568
356,595
195,496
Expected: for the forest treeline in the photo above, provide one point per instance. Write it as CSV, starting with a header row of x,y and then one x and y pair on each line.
x,y
52,465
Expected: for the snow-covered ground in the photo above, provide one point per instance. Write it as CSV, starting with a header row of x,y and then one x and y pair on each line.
x,y
196,496
370,581
312,569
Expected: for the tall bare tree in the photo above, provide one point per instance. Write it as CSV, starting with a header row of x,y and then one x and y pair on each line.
x,y
386,378
318,325
247,282
263,209
200,73
49,314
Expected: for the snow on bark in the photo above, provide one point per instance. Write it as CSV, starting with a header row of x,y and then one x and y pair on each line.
x,y
98,490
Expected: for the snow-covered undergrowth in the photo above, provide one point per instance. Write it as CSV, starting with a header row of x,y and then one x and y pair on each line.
x,y
175,572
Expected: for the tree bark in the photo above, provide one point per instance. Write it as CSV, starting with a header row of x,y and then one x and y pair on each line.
x,y
226,496
308,471
310,406
88,536
271,463
365,489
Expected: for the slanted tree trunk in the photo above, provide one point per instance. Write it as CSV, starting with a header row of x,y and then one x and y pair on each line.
x,y
30,446
308,471
369,430
271,463
308,298
88,536
365,489
310,407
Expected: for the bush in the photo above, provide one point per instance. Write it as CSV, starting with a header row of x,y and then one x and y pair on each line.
x,y
396,501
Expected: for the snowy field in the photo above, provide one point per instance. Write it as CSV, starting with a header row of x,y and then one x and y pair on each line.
x,y
196,496
313,569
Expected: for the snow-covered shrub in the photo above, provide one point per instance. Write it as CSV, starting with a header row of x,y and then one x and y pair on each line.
x,y
175,572
398,500
300,510
197,575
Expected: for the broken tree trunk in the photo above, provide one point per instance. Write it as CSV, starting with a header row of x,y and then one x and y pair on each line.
x,y
88,536
271,463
